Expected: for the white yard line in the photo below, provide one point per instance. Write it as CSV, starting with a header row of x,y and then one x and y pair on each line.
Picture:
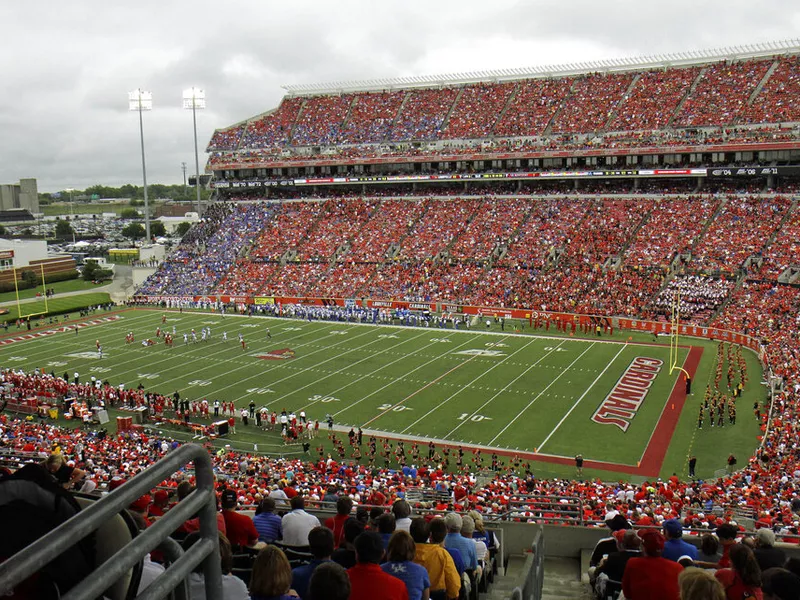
x,y
578,401
400,378
261,373
540,394
368,375
337,371
464,387
508,385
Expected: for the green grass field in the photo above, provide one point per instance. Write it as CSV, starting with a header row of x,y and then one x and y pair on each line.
x,y
55,306
60,287
512,391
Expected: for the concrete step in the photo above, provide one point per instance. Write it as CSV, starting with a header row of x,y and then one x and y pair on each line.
x,y
562,579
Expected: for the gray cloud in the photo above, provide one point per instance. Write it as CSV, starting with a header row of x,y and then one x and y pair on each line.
x,y
67,66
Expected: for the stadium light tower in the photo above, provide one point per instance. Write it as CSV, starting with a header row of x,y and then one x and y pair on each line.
x,y
139,101
195,99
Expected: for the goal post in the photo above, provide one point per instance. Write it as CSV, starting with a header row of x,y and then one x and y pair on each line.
x,y
675,322
20,315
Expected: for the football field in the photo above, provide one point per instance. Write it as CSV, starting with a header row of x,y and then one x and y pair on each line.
x,y
545,397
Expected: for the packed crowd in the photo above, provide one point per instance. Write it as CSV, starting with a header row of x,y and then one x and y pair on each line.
x,y
653,100
699,296
606,256
578,104
741,229
722,93
591,102
775,102
477,109
371,117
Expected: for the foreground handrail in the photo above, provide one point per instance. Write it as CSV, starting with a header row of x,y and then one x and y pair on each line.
x,y
29,560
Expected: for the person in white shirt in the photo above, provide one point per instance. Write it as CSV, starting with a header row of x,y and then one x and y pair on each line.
x,y
298,523
233,588
280,497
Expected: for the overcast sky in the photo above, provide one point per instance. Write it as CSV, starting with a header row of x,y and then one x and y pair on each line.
x,y
67,66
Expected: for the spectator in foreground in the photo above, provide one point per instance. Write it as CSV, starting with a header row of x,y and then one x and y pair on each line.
x,y
458,542
329,582
386,524
272,576
346,555
344,506
767,555
367,578
401,553
438,530
267,523
240,529
698,584
297,523
780,584
675,547
651,577
320,542
613,567
442,573
709,553
726,534
743,578
233,588
402,513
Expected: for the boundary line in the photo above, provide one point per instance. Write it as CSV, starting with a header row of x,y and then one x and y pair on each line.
x,y
578,401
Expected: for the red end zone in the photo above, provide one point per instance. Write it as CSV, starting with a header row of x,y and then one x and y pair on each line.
x,y
656,450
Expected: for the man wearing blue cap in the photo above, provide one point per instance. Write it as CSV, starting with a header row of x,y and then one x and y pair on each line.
x,y
675,547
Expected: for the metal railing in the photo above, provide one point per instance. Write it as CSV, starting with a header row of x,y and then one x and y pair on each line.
x,y
201,501
532,578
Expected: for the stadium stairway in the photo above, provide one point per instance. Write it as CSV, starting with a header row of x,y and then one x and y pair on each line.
x,y
562,580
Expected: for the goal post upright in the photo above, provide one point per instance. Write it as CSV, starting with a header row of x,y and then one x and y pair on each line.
x,y
675,322
19,304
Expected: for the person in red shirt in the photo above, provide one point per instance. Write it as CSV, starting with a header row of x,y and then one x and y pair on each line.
x,y
367,577
240,528
651,577
344,505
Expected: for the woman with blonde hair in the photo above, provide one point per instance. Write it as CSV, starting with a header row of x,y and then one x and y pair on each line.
x,y
272,576
699,584
481,534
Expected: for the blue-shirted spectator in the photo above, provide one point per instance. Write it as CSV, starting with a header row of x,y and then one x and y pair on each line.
x,y
457,541
400,564
675,547
268,524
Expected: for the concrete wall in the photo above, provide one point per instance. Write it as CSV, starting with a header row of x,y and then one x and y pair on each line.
x,y
559,542
140,274
29,195
9,196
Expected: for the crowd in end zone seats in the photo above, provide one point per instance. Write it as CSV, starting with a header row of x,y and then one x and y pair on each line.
x,y
742,228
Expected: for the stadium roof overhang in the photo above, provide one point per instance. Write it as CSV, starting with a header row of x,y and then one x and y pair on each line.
x,y
660,61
